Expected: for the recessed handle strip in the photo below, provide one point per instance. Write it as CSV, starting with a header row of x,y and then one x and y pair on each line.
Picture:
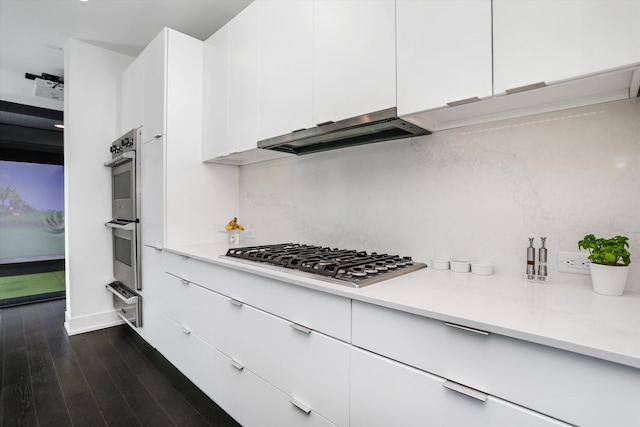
x,y
466,328
463,101
467,391
237,365
525,88
301,328
304,408
236,302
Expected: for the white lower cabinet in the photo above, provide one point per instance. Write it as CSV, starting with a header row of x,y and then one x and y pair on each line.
x,y
196,359
254,402
277,372
571,387
387,393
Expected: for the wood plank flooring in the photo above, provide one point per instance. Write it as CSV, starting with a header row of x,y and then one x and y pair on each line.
x,y
108,377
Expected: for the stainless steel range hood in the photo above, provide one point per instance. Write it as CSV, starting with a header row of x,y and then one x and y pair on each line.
x,y
379,126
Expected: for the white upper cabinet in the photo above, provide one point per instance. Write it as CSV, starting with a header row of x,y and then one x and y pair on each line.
x,y
545,41
354,58
443,53
131,95
244,54
154,59
215,124
286,67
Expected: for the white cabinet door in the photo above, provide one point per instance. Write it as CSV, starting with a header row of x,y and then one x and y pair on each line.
x,y
153,190
286,67
544,41
215,122
153,296
386,393
244,55
354,58
578,389
302,363
443,52
154,61
132,96
255,403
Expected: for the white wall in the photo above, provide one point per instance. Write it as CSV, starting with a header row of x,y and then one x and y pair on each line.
x,y
477,192
91,123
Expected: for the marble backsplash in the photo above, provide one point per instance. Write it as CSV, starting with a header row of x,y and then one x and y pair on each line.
x,y
476,192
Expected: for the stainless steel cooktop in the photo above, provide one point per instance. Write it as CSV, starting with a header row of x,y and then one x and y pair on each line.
x,y
345,267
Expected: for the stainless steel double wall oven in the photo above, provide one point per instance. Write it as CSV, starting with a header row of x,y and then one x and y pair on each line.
x,y
125,227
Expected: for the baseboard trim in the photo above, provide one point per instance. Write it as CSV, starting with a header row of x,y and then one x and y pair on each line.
x,y
90,322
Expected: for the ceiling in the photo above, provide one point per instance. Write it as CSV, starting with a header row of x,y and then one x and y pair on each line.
x,y
33,34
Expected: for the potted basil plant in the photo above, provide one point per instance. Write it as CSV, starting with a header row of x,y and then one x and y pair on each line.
x,y
610,259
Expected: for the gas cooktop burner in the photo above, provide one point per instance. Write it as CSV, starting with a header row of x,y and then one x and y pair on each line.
x,y
345,267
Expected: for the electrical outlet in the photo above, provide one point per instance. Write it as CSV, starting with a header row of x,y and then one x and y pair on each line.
x,y
574,262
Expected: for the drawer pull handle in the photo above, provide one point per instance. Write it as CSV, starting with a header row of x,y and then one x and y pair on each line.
x,y
328,122
157,136
466,328
184,281
467,391
236,302
186,330
237,365
304,408
298,130
463,101
300,328
525,88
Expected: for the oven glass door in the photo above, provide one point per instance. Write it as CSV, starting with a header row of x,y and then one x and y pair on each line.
x,y
123,185
126,253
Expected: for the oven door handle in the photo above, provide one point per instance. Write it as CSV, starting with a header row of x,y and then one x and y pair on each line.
x,y
124,157
128,226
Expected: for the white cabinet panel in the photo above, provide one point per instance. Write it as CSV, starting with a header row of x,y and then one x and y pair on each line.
x,y
254,402
354,58
577,389
244,56
131,97
193,357
154,60
153,189
387,393
286,67
304,364
541,41
215,126
446,60
320,311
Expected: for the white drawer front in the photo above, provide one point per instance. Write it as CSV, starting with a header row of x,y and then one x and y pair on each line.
x,y
386,393
577,389
253,402
305,364
329,314
191,355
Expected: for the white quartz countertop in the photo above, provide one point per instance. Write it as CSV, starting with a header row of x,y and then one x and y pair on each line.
x,y
562,315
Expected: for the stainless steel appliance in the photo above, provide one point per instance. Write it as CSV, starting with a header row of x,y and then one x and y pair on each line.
x,y
126,250
378,126
127,303
344,267
124,178
125,228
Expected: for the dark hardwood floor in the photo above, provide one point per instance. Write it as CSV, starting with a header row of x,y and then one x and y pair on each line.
x,y
108,377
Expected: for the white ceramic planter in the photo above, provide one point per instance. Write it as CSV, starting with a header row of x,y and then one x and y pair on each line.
x,y
609,279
